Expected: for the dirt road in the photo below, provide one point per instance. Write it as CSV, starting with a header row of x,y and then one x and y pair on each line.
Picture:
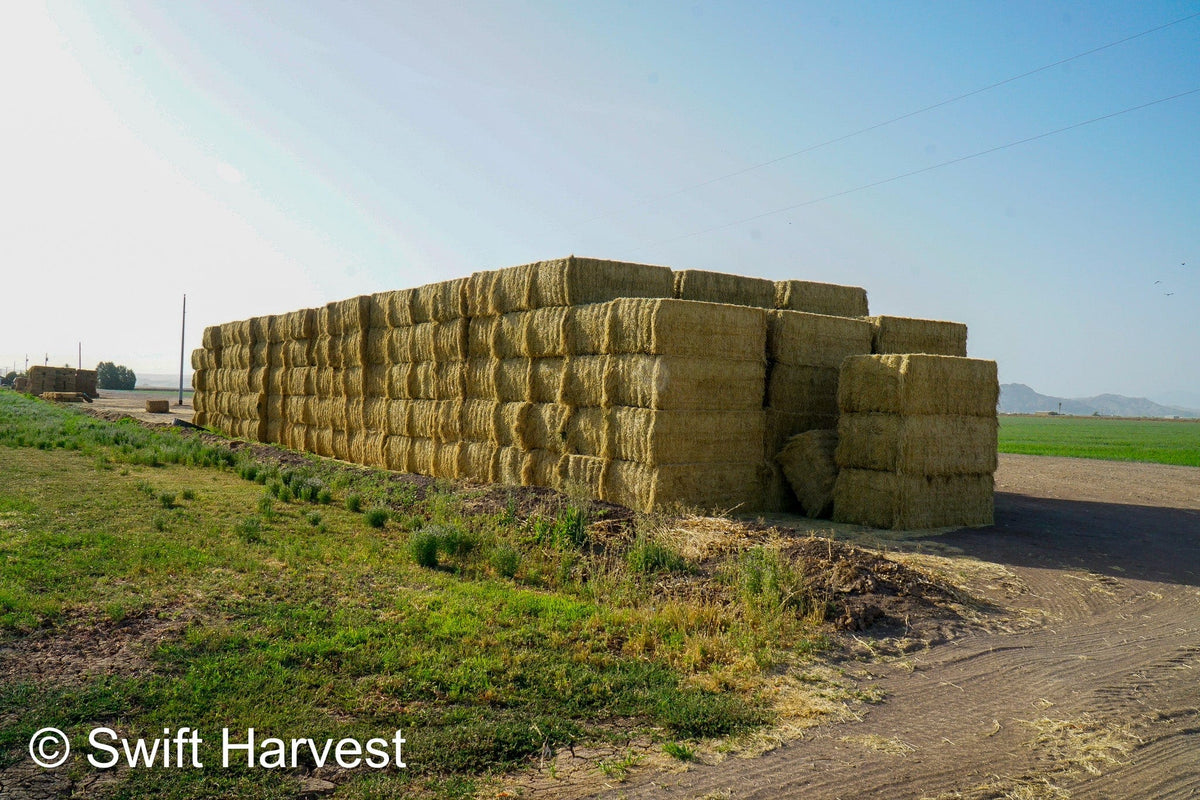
x,y
1087,685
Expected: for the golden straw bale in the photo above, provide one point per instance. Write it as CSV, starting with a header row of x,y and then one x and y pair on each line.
x,y
375,346
903,335
400,380
658,437
803,390
211,338
411,343
278,329
439,302
258,330
375,414
581,281
664,382
918,445
781,426
719,487
918,384
199,359
479,461
909,502
353,347
720,287
794,337
450,339
375,380
811,469
301,324
685,328
379,310
821,298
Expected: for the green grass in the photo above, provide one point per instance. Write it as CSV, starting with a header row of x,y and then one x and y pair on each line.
x,y
1158,441
482,637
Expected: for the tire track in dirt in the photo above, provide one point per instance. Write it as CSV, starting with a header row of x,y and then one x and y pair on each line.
x,y
1100,699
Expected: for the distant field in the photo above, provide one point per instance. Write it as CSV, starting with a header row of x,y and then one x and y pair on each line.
x,y
1159,441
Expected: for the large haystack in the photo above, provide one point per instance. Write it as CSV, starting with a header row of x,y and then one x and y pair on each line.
x,y
916,441
636,384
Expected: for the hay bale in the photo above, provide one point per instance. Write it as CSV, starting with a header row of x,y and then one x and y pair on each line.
x,y
918,445
910,502
914,384
708,487
904,335
719,287
821,298
808,463
782,426
656,437
674,327
211,338
439,302
663,382
158,406
803,390
563,282
76,397
817,340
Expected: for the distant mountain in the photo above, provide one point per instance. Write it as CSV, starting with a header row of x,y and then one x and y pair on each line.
x,y
1017,398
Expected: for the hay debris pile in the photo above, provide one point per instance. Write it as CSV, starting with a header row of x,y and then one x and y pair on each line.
x,y
43,379
916,441
637,384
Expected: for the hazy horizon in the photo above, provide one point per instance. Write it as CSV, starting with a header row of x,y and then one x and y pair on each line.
x,y
267,157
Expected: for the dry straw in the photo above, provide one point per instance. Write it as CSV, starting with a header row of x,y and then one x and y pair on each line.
x,y
817,340
918,384
821,298
808,462
719,287
918,445
904,335
909,502
563,282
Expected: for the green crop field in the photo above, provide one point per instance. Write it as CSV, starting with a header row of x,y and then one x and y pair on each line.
x,y
1159,441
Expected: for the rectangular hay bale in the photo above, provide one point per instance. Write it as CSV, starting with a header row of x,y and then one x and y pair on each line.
x,y
720,287
912,502
918,445
818,340
915,384
905,335
821,298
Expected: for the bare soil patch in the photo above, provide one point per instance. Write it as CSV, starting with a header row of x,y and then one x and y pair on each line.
x,y
1085,687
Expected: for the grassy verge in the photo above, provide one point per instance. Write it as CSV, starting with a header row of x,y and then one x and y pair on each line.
x,y
187,584
1158,441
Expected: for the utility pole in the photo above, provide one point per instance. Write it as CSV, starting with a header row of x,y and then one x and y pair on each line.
x,y
81,356
182,335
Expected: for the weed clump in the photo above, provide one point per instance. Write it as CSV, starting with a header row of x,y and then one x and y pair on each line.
x,y
377,517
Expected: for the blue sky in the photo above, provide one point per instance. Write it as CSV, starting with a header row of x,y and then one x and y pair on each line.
x,y
266,156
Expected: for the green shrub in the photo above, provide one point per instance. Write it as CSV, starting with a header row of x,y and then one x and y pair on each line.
x,y
506,560
188,494
679,751
354,503
377,517
424,548
324,496
250,530
649,556
166,499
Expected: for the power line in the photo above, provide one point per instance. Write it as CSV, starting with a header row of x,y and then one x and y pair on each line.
x,y
879,125
929,168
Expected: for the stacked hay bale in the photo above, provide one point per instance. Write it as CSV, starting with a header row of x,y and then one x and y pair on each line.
x,y
804,354
905,335
639,400
916,441
821,298
66,380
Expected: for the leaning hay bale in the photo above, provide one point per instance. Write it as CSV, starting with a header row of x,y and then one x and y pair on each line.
x,y
720,487
803,390
808,462
719,287
904,335
918,445
794,337
821,298
663,382
911,502
918,384
782,426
